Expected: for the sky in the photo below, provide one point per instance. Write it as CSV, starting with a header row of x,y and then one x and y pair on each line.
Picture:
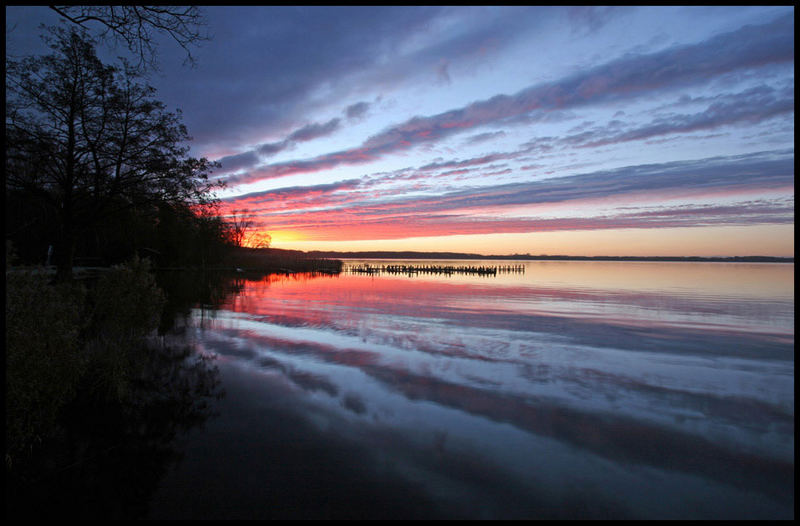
x,y
585,130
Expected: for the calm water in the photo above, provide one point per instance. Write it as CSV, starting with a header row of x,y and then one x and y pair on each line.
x,y
576,389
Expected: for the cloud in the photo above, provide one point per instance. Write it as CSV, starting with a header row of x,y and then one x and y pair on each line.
x,y
294,197
752,106
483,137
300,191
442,75
267,77
752,172
590,19
271,148
778,210
357,110
474,161
346,210
314,131
624,79
248,159
232,163
342,226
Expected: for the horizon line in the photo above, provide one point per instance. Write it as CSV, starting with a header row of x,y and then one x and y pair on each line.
x,y
406,253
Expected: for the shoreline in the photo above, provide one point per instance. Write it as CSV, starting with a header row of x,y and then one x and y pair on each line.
x,y
527,257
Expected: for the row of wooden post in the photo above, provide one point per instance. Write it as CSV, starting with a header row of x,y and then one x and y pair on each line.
x,y
435,269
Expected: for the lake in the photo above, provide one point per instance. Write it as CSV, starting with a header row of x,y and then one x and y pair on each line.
x,y
574,389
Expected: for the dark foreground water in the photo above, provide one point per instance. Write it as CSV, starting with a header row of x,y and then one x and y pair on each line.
x,y
574,390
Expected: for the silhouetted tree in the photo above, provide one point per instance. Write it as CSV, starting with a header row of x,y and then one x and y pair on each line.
x,y
89,139
136,26
243,233
213,235
239,222
258,239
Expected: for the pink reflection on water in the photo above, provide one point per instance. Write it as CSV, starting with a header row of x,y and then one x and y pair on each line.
x,y
685,380
728,302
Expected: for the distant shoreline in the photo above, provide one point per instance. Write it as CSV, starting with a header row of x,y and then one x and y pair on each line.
x,y
528,257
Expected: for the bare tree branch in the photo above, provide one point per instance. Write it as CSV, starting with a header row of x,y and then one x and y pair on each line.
x,y
243,231
136,27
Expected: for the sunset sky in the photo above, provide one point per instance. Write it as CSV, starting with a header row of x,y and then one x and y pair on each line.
x,y
494,130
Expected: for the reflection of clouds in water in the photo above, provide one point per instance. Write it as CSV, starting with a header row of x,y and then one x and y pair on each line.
x,y
697,398
547,433
645,386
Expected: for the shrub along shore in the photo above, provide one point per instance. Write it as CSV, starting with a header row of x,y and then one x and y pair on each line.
x,y
85,335
68,339
267,260
95,387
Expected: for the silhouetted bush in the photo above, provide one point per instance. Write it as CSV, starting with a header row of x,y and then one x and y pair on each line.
x,y
44,358
94,400
60,337
125,307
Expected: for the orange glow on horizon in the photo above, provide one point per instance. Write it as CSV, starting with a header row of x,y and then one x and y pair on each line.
x,y
761,240
280,237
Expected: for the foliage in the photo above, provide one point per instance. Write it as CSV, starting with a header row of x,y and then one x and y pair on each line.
x,y
61,337
87,142
127,300
258,240
240,223
112,455
44,359
109,433
97,167
125,307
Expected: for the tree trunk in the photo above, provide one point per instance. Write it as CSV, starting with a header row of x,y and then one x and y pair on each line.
x,y
64,253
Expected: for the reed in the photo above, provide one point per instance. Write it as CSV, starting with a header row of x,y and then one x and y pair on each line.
x,y
283,262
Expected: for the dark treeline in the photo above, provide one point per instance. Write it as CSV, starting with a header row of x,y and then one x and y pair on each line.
x,y
170,235
270,260
98,169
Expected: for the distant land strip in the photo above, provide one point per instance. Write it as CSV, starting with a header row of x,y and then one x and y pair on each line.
x,y
528,257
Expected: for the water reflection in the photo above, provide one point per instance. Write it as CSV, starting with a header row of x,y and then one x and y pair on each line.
x,y
527,396
112,453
